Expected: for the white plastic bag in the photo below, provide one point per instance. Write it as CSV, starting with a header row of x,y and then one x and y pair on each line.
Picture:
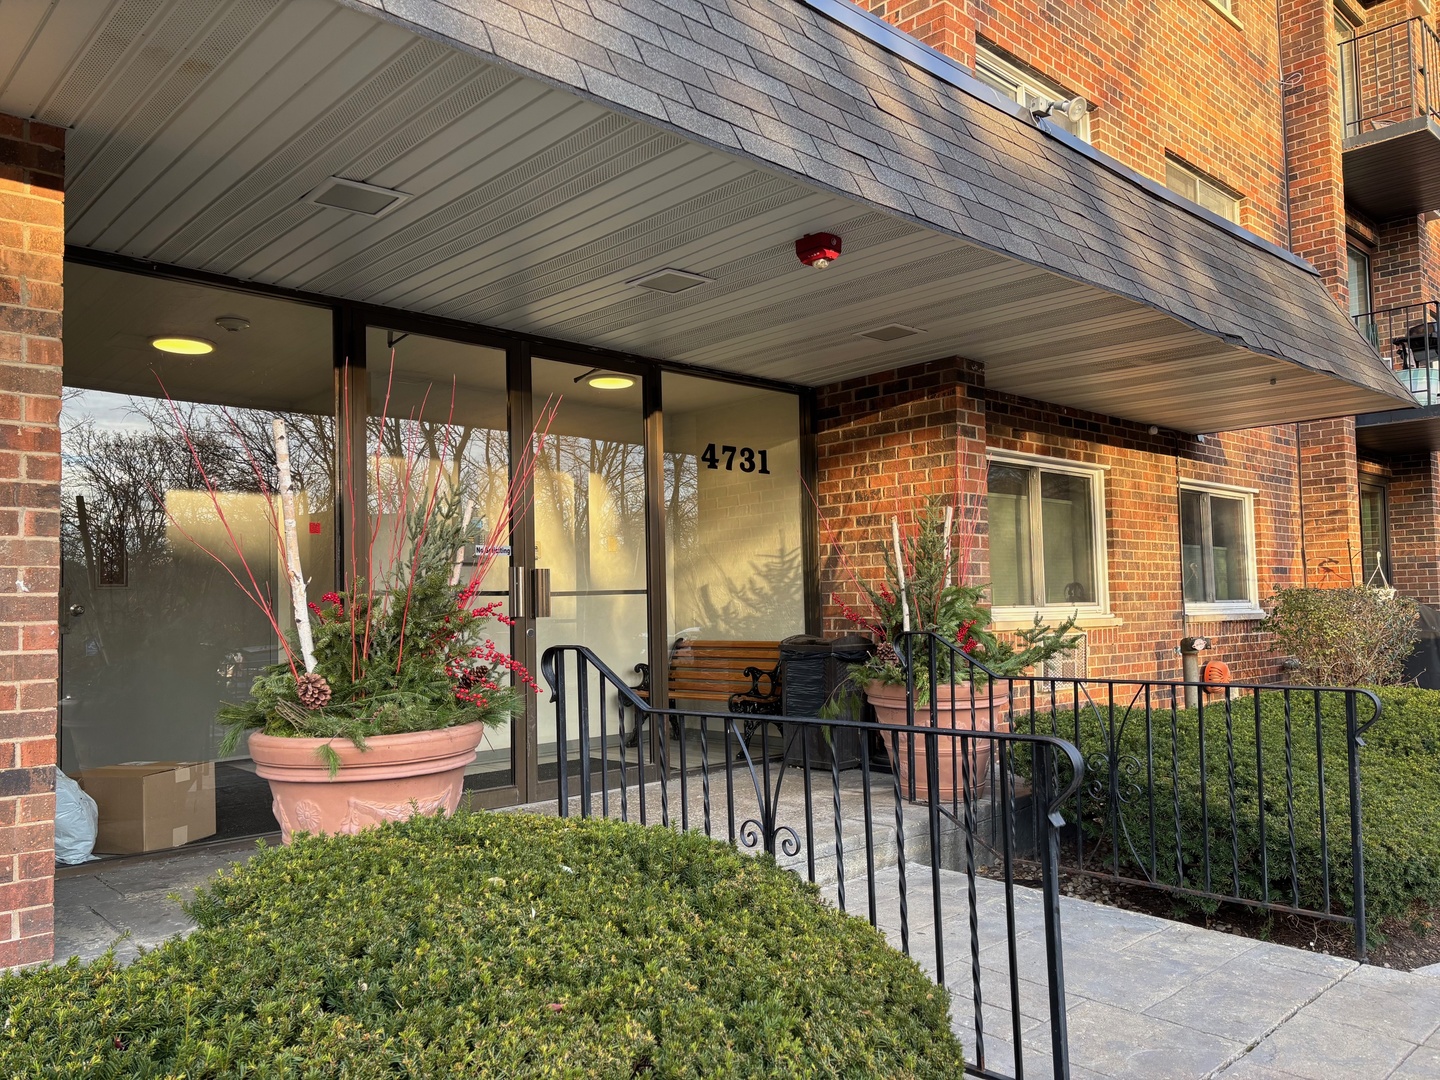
x,y
76,821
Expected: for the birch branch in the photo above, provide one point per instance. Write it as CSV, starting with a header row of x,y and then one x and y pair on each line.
x,y
949,524
900,570
292,549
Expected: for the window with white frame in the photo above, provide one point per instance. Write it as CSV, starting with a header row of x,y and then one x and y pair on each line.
x,y
1047,537
1020,85
1217,549
1186,182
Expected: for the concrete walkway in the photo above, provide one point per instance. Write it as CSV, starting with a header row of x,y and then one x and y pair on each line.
x,y
1147,999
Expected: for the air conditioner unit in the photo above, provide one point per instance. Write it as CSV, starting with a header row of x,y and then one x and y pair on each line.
x,y
1074,664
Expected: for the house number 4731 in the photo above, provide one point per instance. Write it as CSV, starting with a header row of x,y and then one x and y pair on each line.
x,y
745,458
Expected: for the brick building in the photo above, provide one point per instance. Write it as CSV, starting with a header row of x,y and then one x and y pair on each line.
x,y
1214,99
1092,324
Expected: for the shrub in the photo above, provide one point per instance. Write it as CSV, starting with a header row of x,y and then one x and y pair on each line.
x,y
499,946
1344,637
1399,798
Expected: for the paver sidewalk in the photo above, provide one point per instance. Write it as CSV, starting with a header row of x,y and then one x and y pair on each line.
x,y
1149,999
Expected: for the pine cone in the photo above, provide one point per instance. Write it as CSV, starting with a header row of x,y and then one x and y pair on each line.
x,y
887,654
313,691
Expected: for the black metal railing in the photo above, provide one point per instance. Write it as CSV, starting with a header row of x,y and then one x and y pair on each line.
x,y
1409,338
1240,793
1385,76
934,876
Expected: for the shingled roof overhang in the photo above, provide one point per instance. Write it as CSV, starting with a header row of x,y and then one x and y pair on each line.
x,y
553,153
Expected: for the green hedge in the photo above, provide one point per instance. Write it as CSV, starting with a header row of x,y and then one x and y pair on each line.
x,y
494,945
1399,798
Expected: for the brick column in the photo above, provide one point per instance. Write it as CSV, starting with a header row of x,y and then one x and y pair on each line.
x,y
32,239
1313,135
1330,488
886,443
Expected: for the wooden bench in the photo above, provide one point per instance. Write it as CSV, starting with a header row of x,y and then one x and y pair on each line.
x,y
728,671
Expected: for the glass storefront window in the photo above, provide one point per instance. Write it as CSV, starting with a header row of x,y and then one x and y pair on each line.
x,y
154,632
733,504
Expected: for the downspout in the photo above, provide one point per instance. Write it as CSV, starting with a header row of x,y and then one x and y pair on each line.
x,y
1300,510
1288,85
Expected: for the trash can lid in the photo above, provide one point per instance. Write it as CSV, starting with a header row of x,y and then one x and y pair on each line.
x,y
804,643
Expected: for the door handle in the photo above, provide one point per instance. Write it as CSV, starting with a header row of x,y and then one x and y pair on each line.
x,y
517,591
540,592
76,610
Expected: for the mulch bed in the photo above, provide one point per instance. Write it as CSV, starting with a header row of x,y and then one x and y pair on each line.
x,y
1409,941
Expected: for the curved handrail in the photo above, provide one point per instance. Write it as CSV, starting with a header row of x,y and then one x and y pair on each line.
x,y
549,662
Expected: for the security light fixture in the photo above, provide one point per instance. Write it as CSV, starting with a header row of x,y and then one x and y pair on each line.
x,y
889,332
1072,109
183,346
356,197
669,280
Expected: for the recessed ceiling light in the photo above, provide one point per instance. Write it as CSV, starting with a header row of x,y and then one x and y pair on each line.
x,y
669,281
610,381
890,332
356,197
183,346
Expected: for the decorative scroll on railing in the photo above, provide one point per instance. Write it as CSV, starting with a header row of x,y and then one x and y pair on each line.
x,y
939,877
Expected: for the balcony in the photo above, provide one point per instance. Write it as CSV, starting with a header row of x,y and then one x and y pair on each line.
x,y
1409,338
1391,151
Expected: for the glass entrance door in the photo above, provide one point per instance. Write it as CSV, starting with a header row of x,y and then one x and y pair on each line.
x,y
438,413
590,540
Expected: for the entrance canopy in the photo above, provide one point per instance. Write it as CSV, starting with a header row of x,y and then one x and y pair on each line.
x,y
542,158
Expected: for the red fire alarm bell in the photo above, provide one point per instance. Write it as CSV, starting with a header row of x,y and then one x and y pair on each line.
x,y
315,528
818,249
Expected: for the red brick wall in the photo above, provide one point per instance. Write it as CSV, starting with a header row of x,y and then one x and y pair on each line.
x,y
32,233
888,440
1142,528
1332,503
1414,511
1314,130
886,443
1168,75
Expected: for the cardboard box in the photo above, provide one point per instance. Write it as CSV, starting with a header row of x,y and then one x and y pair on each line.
x,y
151,805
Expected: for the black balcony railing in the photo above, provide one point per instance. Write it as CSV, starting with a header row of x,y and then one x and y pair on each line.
x,y
1409,338
939,877
1386,76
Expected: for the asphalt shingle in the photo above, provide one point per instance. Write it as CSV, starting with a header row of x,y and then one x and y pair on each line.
x,y
831,103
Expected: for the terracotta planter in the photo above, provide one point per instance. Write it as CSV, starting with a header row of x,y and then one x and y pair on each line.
x,y
986,715
393,778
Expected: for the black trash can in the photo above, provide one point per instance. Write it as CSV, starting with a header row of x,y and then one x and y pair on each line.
x,y
808,677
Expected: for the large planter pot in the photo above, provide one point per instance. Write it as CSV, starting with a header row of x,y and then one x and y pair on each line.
x,y
960,712
393,778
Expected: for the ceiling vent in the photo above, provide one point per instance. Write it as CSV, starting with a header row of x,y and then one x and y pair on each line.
x,y
357,198
890,332
669,281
